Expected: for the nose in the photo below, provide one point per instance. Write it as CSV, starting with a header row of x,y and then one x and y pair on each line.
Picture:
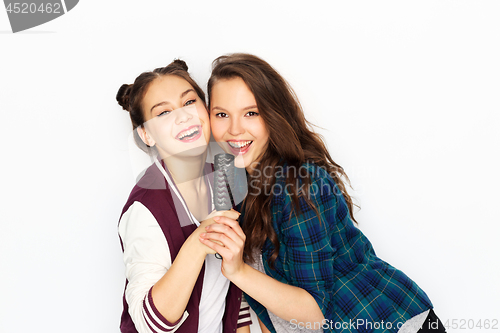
x,y
182,116
236,127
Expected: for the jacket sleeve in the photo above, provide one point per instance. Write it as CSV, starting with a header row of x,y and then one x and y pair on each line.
x,y
244,318
307,238
147,258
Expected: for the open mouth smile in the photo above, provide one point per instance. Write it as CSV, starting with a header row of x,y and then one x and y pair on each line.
x,y
239,147
190,134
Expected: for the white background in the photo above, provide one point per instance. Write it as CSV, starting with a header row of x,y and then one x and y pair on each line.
x,y
407,94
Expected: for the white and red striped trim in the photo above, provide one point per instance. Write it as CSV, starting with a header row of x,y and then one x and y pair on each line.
x,y
154,319
244,318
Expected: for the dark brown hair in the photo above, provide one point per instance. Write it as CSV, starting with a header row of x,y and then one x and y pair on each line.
x,y
284,119
130,96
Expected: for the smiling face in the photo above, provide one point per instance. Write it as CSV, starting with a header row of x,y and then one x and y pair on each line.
x,y
236,123
177,121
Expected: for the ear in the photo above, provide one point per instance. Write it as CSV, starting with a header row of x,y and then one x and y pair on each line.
x,y
145,137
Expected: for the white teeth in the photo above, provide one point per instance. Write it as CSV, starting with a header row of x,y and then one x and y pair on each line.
x,y
186,133
240,144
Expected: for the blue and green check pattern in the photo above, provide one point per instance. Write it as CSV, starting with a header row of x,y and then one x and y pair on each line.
x,y
336,264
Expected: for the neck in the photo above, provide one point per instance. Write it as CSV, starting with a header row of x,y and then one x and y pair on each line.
x,y
186,171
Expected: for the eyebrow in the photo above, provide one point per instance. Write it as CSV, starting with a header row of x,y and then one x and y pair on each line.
x,y
164,103
244,109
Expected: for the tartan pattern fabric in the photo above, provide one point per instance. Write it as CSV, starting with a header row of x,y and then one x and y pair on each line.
x,y
335,262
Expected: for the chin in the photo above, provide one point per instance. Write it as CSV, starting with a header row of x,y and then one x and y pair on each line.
x,y
239,162
240,165
197,151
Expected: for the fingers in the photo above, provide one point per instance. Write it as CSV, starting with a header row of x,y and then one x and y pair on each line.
x,y
231,253
234,225
232,214
225,235
227,217
216,247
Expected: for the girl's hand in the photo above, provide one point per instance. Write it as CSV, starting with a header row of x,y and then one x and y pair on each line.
x,y
229,214
228,239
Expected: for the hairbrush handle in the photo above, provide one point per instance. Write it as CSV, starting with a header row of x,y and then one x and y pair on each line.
x,y
223,181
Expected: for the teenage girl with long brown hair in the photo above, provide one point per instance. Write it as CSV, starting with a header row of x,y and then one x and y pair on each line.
x,y
298,255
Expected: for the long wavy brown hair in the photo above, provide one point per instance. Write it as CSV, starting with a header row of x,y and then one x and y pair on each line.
x,y
291,141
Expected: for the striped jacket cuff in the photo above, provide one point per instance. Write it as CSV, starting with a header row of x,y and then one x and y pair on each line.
x,y
155,320
244,318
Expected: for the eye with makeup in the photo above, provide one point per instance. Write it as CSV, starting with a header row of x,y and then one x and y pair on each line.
x,y
164,113
221,115
251,114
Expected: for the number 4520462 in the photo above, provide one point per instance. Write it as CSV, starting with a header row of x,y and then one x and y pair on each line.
x,y
464,324
31,8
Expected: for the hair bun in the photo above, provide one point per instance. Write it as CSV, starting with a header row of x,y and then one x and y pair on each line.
x,y
123,96
180,63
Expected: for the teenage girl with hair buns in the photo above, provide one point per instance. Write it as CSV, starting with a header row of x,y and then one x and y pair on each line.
x,y
174,283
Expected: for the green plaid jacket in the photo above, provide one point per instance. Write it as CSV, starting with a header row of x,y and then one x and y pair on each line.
x,y
332,260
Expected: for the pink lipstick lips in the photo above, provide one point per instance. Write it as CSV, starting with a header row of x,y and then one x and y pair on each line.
x,y
190,134
239,147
